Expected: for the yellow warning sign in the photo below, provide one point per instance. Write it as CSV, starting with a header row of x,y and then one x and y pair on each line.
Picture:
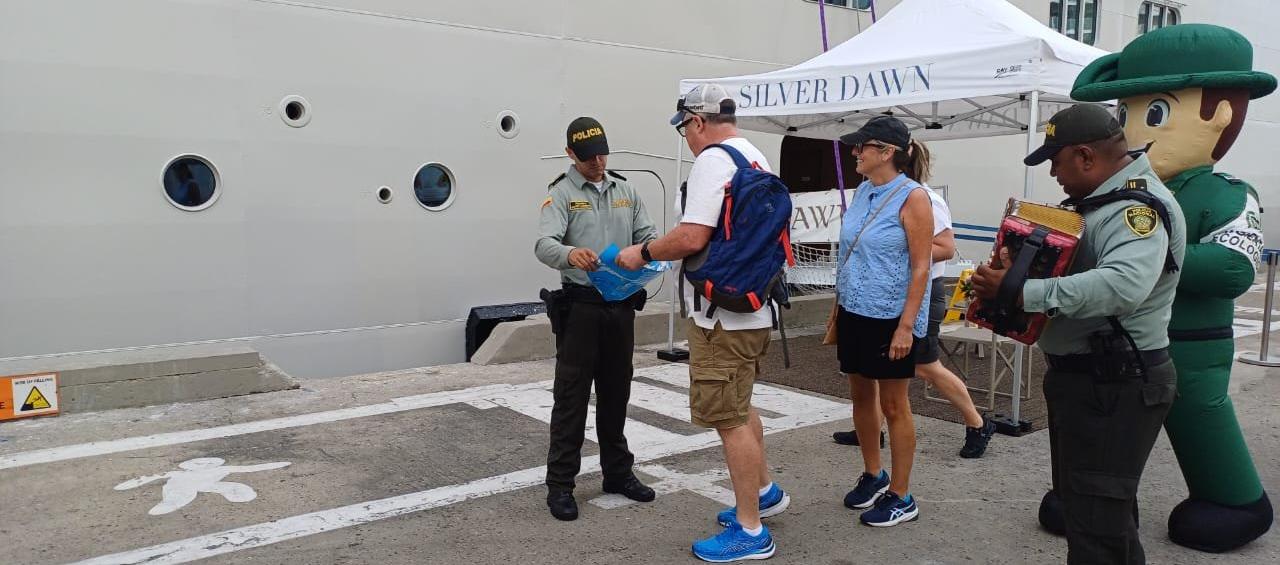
x,y
22,396
35,401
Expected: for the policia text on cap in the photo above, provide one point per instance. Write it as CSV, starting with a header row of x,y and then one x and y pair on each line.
x,y
586,209
1110,381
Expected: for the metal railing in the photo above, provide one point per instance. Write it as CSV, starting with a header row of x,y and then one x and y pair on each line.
x,y
1264,357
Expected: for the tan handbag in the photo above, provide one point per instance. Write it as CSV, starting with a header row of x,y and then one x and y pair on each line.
x,y
831,337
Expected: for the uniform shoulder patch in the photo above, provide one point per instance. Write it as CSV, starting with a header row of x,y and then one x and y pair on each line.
x,y
1229,178
546,202
1142,220
557,179
615,175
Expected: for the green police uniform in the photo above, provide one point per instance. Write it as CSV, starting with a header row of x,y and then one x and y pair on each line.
x,y
594,338
1103,423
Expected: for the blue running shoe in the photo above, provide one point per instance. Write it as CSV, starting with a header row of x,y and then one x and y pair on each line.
x,y
733,544
772,503
891,511
867,491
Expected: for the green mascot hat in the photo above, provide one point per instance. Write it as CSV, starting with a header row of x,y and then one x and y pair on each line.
x,y
1171,59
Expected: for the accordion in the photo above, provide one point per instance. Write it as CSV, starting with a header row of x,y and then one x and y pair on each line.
x,y
1042,242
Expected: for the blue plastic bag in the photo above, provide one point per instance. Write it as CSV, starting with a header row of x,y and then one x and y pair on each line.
x,y
616,283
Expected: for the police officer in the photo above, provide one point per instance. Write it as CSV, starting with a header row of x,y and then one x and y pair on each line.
x,y
1110,381
588,208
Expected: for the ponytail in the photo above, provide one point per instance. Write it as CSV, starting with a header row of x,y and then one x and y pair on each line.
x,y
914,162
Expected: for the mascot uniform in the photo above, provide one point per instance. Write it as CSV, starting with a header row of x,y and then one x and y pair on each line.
x,y
1182,92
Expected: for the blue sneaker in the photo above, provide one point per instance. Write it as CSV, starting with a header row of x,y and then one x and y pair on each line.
x,y
867,491
772,503
891,511
733,544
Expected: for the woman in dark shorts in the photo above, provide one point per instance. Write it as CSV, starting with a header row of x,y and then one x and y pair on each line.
x,y
978,429
883,290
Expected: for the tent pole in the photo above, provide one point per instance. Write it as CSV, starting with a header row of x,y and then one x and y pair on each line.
x,y
670,353
835,143
1020,350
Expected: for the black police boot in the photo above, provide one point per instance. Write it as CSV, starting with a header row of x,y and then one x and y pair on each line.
x,y
851,438
632,488
562,505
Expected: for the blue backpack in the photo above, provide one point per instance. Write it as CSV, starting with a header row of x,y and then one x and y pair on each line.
x,y
741,269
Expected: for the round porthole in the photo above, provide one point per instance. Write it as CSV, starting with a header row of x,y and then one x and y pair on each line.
x,y
433,185
508,124
295,111
190,183
384,194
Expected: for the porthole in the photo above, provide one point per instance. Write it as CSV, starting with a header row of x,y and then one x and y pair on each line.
x,y
295,111
434,187
190,183
384,194
508,124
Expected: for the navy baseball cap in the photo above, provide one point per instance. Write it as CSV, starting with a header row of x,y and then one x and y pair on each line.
x,y
887,129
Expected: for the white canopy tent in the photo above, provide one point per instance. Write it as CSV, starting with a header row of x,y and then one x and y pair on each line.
x,y
950,69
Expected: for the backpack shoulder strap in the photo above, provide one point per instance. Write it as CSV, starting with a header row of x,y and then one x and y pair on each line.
x,y
738,159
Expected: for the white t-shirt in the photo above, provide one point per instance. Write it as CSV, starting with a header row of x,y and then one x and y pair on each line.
x,y
711,169
941,223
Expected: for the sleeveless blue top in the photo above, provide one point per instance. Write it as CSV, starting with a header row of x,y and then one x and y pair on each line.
x,y
873,282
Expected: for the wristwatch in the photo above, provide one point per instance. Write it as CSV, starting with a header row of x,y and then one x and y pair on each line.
x,y
644,251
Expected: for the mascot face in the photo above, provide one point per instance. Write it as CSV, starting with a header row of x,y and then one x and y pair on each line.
x,y
1171,123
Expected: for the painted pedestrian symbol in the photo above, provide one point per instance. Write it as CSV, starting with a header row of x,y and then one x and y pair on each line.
x,y
204,474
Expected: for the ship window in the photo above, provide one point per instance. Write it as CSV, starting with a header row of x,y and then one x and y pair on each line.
x,y
384,194
508,124
190,183
1154,15
852,4
1077,19
433,185
295,111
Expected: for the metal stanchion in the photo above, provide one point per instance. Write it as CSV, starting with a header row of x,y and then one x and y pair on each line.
x,y
1263,357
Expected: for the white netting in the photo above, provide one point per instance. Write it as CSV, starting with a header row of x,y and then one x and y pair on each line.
x,y
815,270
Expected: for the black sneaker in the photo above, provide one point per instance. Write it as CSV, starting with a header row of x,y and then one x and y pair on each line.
x,y
975,439
851,438
632,488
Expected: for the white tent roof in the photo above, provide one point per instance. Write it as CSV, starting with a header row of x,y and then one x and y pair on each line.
x,y
949,68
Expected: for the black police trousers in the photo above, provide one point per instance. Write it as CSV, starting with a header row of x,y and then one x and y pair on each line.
x,y
1101,432
595,345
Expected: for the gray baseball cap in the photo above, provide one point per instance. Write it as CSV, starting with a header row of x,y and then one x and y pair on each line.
x,y
704,99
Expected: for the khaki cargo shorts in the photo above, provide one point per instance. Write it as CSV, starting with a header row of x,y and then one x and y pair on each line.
x,y
723,365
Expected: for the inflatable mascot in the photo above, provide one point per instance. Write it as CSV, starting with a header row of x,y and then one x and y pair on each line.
x,y
1182,92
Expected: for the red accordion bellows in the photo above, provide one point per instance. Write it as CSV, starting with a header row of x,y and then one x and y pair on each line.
x,y
1051,234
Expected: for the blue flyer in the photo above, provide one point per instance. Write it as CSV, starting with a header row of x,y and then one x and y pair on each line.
x,y
616,283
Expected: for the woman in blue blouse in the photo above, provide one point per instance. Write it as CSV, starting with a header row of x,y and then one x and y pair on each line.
x,y
882,282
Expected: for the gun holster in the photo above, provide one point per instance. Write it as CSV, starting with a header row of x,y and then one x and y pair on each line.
x,y
1114,358
558,305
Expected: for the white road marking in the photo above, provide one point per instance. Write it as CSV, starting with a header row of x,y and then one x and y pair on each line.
x,y
94,449
1246,328
537,403
257,535
671,404
674,481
